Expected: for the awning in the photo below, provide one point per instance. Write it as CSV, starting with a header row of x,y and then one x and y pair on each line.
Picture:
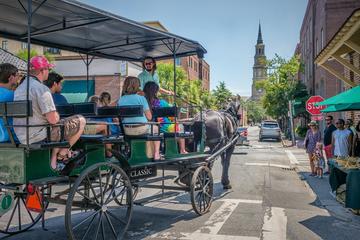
x,y
342,107
77,27
351,96
345,41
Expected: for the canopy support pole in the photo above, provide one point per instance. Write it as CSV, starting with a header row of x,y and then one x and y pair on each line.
x,y
174,62
29,20
87,62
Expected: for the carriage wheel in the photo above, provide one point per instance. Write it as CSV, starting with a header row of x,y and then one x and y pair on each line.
x,y
91,211
201,190
18,218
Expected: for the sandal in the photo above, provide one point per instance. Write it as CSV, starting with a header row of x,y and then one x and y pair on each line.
x,y
77,159
59,166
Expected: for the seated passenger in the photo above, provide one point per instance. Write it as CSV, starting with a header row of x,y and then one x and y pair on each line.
x,y
54,83
105,101
151,90
44,112
100,128
8,80
134,126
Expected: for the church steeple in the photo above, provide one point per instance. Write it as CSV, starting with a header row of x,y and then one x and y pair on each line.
x,y
259,40
259,68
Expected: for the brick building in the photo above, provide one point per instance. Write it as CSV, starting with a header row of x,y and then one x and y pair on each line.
x,y
322,20
344,48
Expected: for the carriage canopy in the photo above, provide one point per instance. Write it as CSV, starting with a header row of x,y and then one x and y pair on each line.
x,y
74,26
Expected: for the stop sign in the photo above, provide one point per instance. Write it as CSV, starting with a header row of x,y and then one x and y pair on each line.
x,y
312,108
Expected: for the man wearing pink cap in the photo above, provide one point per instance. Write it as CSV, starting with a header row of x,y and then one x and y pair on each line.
x,y
44,112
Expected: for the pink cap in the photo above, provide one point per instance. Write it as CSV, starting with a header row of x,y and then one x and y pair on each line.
x,y
40,62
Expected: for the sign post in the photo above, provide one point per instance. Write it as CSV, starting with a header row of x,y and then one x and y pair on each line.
x,y
313,109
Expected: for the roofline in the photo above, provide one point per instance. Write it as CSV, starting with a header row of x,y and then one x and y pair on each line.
x,y
325,49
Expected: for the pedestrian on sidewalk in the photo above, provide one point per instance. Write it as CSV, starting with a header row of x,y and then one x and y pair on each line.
x,y
357,147
341,140
313,135
319,159
349,125
328,131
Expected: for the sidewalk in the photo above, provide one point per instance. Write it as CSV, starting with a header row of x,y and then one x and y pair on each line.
x,y
319,188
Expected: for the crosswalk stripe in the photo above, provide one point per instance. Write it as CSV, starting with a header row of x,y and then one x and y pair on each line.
x,y
291,157
210,229
275,222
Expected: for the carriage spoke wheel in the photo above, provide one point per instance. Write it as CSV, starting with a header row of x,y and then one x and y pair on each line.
x,y
91,211
201,190
18,218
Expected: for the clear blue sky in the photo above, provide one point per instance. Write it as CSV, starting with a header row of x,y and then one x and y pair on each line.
x,y
226,28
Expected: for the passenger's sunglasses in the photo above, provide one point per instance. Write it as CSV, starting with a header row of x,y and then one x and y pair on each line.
x,y
148,64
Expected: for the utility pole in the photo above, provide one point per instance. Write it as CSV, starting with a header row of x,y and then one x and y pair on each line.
x,y
292,122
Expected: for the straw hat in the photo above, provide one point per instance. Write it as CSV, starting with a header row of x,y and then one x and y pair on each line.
x,y
313,123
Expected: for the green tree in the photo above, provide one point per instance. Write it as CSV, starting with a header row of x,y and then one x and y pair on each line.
x,y
255,111
23,54
281,86
189,91
221,94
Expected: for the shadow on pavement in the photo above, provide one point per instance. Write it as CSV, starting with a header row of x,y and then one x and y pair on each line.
x,y
341,219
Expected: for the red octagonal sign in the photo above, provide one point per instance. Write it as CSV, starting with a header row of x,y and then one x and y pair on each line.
x,y
312,108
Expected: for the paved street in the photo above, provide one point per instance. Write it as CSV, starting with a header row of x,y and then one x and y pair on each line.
x,y
269,200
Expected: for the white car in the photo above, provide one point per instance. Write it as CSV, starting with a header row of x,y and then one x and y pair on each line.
x,y
269,130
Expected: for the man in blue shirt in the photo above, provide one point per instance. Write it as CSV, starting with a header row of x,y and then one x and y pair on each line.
x,y
54,83
8,80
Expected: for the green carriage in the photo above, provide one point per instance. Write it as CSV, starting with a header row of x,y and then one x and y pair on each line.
x,y
99,193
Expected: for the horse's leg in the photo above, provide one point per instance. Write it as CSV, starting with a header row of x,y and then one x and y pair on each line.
x,y
225,162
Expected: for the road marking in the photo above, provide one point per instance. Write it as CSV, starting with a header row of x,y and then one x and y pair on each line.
x,y
213,225
267,165
200,236
291,157
275,222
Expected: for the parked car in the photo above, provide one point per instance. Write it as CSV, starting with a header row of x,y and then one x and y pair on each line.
x,y
243,135
269,130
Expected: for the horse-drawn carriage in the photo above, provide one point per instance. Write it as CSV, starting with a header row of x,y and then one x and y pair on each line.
x,y
98,192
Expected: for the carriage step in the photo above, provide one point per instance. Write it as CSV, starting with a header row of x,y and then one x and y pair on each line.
x,y
154,180
156,197
49,180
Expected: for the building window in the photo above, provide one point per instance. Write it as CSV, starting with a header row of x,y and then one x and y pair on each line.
x,y
191,63
52,50
4,44
195,66
23,45
322,38
177,61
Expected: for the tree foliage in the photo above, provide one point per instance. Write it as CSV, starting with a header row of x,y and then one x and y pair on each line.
x,y
255,111
189,91
281,86
23,54
221,94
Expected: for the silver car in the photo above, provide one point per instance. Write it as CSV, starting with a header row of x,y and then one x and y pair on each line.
x,y
269,130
